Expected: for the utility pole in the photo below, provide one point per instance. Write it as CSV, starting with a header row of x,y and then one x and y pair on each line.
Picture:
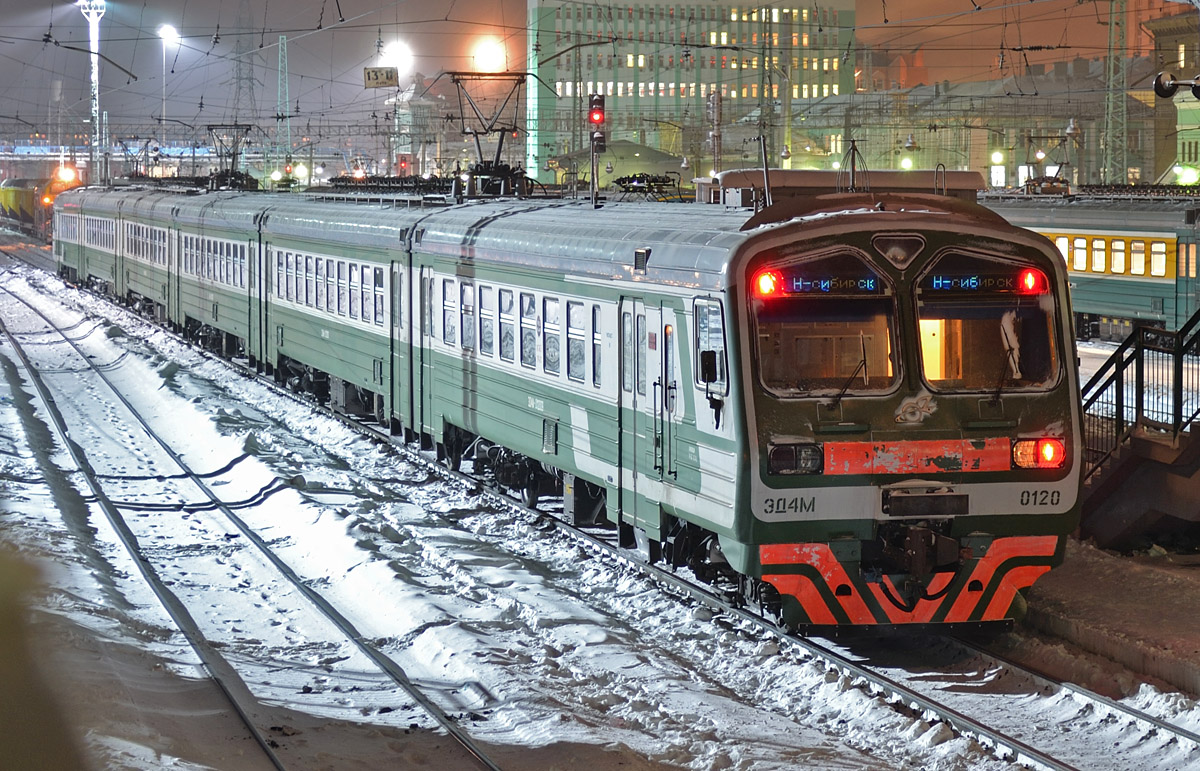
x,y
1116,145
283,118
93,11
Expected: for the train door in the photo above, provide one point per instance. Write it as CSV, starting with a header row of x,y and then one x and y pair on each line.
x,y
668,390
641,448
174,268
402,347
425,351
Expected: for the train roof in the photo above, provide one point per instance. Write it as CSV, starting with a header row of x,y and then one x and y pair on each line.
x,y
1095,213
682,244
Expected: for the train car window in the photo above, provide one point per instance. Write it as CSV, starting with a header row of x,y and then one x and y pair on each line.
x,y
368,291
242,251
528,330
576,341
1137,258
380,293
507,332
596,341
1158,258
342,288
1080,262
279,273
310,291
823,326
352,288
987,326
291,276
449,323
467,314
642,338
487,321
1118,255
1098,255
1191,260
319,279
426,306
668,391
627,352
330,286
710,336
551,335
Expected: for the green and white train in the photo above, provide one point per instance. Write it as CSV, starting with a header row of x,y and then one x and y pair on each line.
x,y
862,406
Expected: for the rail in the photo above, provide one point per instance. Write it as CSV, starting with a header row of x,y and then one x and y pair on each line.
x,y
1151,382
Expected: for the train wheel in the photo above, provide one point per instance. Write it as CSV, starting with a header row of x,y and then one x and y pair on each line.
x,y
531,492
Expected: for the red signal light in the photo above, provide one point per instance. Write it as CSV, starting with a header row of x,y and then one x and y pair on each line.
x,y
768,283
596,109
1032,281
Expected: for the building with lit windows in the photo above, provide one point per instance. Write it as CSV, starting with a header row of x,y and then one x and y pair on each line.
x,y
675,76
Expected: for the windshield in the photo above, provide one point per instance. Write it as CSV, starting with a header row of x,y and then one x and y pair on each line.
x,y
823,326
987,326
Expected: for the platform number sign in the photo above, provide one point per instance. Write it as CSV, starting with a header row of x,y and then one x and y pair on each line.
x,y
381,77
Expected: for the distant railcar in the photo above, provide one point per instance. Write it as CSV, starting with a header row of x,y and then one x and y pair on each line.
x,y
860,407
1130,259
28,204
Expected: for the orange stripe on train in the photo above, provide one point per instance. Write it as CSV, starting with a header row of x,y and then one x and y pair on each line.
x,y
813,598
929,456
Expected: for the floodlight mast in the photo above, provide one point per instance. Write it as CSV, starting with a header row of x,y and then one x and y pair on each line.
x,y
93,11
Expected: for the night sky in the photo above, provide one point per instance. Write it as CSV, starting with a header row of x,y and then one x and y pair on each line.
x,y
326,57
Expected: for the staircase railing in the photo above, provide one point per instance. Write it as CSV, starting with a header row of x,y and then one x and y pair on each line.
x,y
1152,382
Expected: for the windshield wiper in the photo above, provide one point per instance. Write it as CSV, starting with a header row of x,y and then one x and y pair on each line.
x,y
1010,356
862,365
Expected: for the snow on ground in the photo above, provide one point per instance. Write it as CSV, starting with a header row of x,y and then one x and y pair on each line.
x,y
552,657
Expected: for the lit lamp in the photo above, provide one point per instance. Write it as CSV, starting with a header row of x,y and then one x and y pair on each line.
x,y
93,11
170,37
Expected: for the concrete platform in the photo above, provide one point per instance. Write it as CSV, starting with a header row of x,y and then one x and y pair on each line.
x,y
1141,612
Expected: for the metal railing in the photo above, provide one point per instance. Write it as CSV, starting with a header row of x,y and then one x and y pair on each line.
x,y
1151,382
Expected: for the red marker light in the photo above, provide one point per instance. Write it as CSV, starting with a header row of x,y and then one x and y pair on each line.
x,y
1047,452
1050,453
1032,282
768,283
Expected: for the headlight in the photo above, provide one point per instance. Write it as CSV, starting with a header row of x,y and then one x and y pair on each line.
x,y
1047,452
795,458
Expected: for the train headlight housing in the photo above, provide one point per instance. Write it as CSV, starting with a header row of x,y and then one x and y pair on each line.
x,y
1047,452
795,458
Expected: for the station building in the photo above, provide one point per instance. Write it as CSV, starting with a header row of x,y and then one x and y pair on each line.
x,y
674,73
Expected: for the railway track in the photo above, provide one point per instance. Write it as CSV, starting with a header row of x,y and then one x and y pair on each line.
x,y
51,356
1025,723
952,693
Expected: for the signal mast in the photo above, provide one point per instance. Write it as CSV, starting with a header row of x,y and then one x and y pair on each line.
x,y
599,143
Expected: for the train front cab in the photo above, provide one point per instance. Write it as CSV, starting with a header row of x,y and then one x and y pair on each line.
x,y
917,452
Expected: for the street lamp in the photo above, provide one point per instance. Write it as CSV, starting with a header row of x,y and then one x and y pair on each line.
x,y
170,36
93,10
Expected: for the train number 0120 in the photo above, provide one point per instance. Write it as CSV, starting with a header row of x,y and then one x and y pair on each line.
x,y
1040,497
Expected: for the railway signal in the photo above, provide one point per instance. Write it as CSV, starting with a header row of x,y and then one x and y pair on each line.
x,y
596,109
599,138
